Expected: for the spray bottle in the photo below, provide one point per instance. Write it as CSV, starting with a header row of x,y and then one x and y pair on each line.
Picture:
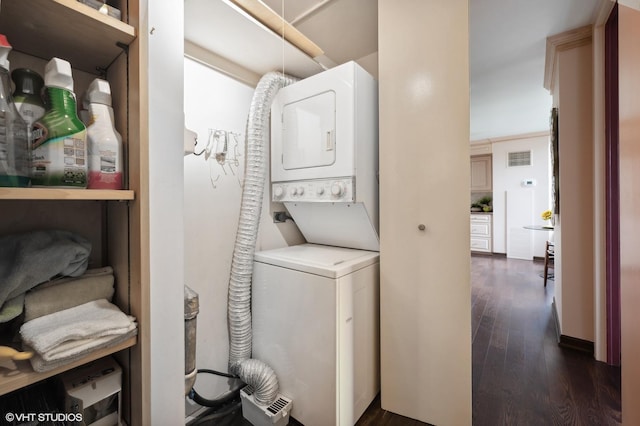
x,y
104,141
26,96
14,146
59,148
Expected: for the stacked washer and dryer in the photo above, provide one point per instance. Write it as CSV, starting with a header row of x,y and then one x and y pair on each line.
x,y
316,305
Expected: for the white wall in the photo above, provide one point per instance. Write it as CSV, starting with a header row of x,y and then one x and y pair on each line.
x,y
510,179
164,76
213,100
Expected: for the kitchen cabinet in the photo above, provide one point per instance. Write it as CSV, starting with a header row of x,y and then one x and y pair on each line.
x,y
481,232
481,172
96,45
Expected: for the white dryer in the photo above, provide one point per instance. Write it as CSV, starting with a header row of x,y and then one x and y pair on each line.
x,y
315,322
324,156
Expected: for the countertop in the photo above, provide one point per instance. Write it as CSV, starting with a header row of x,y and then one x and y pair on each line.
x,y
481,212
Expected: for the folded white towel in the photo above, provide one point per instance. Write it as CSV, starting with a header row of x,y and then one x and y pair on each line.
x,y
91,320
40,365
74,347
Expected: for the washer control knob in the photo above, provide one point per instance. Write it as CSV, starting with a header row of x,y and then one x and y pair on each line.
x,y
278,192
301,190
337,189
320,190
294,191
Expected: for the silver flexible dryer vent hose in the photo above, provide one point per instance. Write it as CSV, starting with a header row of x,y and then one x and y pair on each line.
x,y
253,372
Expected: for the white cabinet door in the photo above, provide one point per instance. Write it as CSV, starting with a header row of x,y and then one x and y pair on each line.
x,y
424,180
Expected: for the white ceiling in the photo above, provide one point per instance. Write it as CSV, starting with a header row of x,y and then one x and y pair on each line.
x,y
507,48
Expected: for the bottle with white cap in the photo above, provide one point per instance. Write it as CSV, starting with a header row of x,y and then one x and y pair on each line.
x,y
59,147
104,141
14,146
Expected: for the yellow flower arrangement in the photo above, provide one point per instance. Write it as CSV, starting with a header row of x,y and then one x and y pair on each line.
x,y
547,215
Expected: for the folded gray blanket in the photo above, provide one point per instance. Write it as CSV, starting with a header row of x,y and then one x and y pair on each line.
x,y
65,293
31,258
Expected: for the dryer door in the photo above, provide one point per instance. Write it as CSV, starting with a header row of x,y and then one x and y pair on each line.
x,y
308,132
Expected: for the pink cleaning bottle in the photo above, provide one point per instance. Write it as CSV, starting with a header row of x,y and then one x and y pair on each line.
x,y
104,141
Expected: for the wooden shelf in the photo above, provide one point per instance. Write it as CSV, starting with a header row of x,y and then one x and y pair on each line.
x,y
65,29
64,194
19,374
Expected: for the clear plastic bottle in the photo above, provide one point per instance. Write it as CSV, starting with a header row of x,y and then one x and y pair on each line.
x,y
14,146
27,96
59,147
104,141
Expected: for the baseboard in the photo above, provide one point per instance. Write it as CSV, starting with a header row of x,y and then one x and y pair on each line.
x,y
538,259
569,342
556,320
576,344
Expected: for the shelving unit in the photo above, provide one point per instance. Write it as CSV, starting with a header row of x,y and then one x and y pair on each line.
x,y
64,194
20,374
95,45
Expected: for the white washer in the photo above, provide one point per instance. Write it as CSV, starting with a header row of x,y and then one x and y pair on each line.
x,y
315,322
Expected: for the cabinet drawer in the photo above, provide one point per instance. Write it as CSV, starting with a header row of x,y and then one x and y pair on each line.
x,y
482,218
481,229
481,244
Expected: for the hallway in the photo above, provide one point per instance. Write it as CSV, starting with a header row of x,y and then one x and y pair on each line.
x,y
520,375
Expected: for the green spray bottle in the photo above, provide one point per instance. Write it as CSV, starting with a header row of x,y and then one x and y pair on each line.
x,y
59,147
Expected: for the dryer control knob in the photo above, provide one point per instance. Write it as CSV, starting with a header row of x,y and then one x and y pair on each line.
x,y
320,190
301,190
337,189
294,191
278,191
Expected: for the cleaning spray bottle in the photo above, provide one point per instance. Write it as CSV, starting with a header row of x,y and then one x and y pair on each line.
x,y
104,141
14,146
59,147
27,96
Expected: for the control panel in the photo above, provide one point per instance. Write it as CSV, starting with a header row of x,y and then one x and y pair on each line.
x,y
316,190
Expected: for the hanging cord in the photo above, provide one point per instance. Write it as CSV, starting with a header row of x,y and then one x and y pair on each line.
x,y
282,23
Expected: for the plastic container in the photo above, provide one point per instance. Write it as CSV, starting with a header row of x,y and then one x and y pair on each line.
x,y
59,147
104,141
14,146
28,96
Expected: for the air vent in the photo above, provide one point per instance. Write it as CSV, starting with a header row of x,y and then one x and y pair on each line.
x,y
275,414
521,158
280,404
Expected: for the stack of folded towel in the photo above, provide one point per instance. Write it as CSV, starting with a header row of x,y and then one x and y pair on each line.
x,y
65,336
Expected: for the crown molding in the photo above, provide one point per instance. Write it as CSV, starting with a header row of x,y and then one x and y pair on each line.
x,y
560,42
530,135
603,12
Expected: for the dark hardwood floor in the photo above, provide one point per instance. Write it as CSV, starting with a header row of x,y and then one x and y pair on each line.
x,y
520,374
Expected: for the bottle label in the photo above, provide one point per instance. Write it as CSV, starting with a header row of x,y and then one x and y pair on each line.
x,y
60,161
104,170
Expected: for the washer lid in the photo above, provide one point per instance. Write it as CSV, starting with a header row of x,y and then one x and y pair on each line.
x,y
327,261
